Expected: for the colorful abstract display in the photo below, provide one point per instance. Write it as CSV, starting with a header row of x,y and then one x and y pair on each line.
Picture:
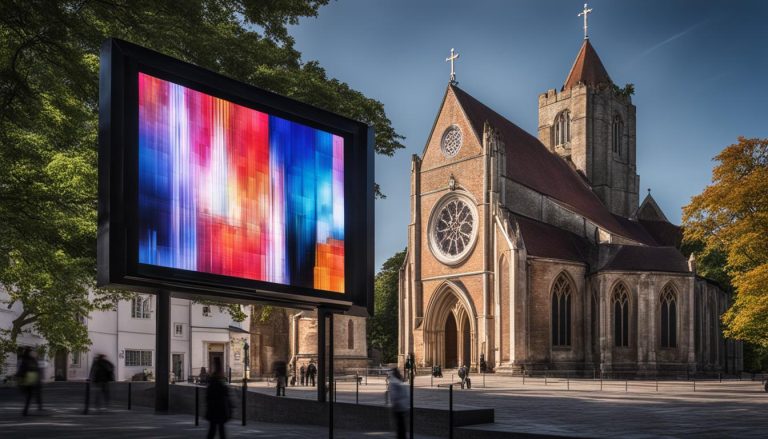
x,y
228,190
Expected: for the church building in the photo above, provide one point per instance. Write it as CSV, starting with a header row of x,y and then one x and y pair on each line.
x,y
534,252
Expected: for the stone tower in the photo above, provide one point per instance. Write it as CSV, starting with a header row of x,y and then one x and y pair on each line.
x,y
591,124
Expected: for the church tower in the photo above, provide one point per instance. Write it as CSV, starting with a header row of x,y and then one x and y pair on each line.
x,y
591,124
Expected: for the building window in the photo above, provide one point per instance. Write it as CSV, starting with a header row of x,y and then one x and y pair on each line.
x,y
140,306
621,315
563,128
618,133
350,334
561,311
668,317
138,358
206,310
178,329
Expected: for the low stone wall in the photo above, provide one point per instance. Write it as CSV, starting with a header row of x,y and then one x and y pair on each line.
x,y
266,408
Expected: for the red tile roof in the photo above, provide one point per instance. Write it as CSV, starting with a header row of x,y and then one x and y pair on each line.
x,y
531,164
587,68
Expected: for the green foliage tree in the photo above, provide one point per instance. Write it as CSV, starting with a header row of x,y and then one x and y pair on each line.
x,y
382,327
730,219
49,61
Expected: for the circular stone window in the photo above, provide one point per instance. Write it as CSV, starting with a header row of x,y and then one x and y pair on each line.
x,y
451,142
453,229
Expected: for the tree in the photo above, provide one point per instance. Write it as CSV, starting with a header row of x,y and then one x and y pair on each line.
x,y
49,61
730,218
382,327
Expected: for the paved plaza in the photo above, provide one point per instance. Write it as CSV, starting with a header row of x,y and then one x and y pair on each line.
x,y
557,407
579,408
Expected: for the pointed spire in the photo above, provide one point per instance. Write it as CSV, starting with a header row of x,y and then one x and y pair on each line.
x,y
587,68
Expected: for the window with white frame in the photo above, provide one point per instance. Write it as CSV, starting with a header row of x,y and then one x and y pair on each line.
x,y
75,361
138,358
140,307
206,310
178,329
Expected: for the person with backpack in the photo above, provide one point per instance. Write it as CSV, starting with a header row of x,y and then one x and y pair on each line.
x,y
28,377
102,373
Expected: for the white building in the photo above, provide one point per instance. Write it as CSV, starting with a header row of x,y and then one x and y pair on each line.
x,y
199,334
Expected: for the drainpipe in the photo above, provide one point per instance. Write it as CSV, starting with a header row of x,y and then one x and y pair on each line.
x,y
189,337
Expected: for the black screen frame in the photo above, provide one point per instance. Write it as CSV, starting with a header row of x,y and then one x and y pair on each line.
x,y
117,257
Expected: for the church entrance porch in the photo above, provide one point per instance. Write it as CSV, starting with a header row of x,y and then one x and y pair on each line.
x,y
450,328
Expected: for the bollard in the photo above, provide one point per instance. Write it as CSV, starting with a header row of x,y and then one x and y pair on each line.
x,y
483,380
568,383
626,386
87,395
432,379
357,389
197,405
720,377
601,382
245,392
523,378
450,411
129,395
694,384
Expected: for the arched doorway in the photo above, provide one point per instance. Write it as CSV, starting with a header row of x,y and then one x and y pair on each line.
x,y
451,342
466,343
450,327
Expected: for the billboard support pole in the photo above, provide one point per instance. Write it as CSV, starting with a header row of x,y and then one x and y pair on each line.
x,y
320,354
331,383
162,350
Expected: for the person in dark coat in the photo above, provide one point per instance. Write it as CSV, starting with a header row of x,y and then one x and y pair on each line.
x,y
281,376
218,406
28,377
303,373
311,371
102,373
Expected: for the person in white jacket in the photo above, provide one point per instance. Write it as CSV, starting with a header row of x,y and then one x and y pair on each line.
x,y
398,398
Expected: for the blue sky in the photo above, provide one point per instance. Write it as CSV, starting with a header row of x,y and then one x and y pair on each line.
x,y
699,69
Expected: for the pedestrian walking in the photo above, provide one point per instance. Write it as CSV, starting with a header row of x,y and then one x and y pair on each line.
x,y
218,406
311,371
303,374
464,375
398,399
280,369
29,380
102,373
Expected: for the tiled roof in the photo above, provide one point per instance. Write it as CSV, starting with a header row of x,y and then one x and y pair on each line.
x,y
642,258
663,232
547,241
531,164
587,68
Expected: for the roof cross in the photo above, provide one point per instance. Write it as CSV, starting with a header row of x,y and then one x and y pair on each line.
x,y
585,12
454,55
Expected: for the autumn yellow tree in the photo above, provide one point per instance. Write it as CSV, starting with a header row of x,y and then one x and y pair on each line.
x,y
731,217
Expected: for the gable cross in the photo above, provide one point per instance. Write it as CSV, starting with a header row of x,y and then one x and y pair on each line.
x,y
584,13
454,56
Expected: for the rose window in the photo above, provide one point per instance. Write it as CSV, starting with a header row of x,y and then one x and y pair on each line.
x,y
453,229
451,143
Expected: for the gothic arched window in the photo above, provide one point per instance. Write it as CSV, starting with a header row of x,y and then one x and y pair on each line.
x,y
618,133
563,128
561,311
350,334
668,317
620,315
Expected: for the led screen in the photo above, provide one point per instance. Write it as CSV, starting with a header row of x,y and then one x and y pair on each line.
x,y
228,190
